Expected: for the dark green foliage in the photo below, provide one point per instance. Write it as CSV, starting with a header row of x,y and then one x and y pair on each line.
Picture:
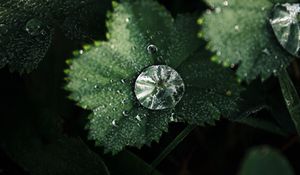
x,y
27,28
42,132
101,78
240,34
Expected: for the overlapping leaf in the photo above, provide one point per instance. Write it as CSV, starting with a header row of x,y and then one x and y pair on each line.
x,y
240,33
102,76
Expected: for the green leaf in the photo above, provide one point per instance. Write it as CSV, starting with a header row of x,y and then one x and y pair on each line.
x,y
63,157
240,33
27,28
265,161
101,77
212,90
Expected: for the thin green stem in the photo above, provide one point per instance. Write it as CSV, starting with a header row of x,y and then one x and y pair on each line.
x,y
291,98
172,145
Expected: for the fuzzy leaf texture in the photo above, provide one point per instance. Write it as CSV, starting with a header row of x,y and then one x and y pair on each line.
x,y
101,77
27,28
240,33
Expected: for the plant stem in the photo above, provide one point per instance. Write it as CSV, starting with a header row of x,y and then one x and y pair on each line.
x,y
172,145
291,98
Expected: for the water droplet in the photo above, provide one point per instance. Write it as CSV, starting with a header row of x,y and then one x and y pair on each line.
x,y
285,23
228,93
172,118
34,27
3,29
127,19
114,123
237,27
138,118
218,10
159,87
225,3
266,51
152,49
125,113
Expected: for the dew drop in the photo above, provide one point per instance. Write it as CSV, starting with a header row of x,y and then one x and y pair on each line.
x,y
125,113
237,27
114,123
159,87
228,93
138,117
34,27
3,29
225,3
285,24
172,118
152,49
218,10
266,51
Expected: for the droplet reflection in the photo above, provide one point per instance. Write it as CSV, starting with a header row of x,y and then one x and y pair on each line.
x,y
159,87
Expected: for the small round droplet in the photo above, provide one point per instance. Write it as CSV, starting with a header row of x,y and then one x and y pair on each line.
x,y
225,3
152,49
218,10
237,27
114,123
125,113
266,51
3,29
159,87
285,24
138,117
34,27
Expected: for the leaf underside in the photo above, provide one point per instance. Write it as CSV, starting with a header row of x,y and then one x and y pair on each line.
x,y
101,78
240,33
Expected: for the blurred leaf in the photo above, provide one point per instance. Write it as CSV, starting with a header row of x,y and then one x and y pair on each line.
x,y
240,33
66,156
27,27
265,161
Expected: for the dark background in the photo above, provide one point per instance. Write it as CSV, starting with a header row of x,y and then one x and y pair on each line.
x,y
211,150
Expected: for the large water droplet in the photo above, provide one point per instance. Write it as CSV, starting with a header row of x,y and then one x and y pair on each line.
x,y
34,27
159,87
286,26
